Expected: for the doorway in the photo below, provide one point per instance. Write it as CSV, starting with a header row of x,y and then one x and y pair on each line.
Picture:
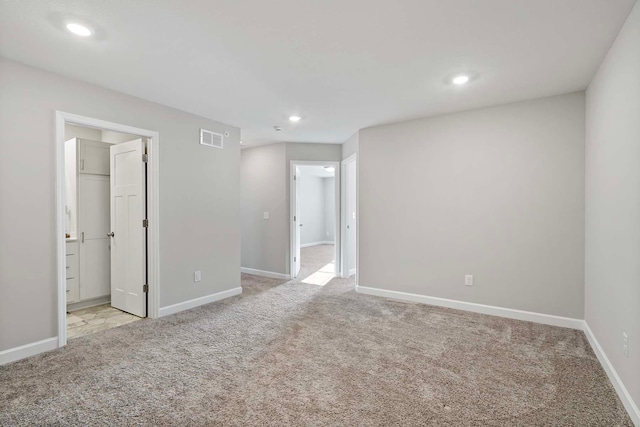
x,y
106,196
315,221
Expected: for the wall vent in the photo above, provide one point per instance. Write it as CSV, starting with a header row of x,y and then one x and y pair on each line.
x,y
211,139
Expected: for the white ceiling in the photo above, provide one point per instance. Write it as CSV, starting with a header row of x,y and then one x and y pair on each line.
x,y
341,64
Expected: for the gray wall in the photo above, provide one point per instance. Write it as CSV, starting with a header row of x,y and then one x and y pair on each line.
x,y
312,208
71,131
199,196
117,137
350,146
613,204
263,183
497,193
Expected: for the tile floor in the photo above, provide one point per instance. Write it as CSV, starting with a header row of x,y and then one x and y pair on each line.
x,y
94,319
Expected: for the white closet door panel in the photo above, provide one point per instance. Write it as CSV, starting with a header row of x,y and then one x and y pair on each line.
x,y
95,271
94,200
95,257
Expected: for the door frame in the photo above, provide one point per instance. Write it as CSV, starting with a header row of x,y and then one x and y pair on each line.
x,y
153,254
292,210
344,215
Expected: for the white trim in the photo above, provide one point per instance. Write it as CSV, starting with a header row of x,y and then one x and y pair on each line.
x,y
196,302
623,393
153,196
264,273
529,316
352,272
292,209
308,245
343,215
61,230
27,350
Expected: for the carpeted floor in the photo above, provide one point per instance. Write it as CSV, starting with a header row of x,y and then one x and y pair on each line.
x,y
298,354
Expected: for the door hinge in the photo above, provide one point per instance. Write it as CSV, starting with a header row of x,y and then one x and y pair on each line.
x,y
294,177
145,288
145,158
294,218
294,259
145,223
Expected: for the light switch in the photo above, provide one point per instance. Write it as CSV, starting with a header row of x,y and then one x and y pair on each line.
x,y
265,215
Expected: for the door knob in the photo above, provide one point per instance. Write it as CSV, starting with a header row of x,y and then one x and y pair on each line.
x,y
300,225
111,234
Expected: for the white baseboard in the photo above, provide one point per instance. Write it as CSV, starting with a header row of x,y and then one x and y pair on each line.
x,y
192,303
263,273
352,272
529,316
623,393
307,245
17,353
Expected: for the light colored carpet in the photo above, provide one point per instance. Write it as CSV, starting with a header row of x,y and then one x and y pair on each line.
x,y
317,265
297,354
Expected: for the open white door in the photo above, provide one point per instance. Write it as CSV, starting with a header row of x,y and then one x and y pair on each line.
x,y
128,235
351,218
297,225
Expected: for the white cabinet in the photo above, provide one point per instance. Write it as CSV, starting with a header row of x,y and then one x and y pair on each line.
x,y
82,156
72,272
88,215
93,157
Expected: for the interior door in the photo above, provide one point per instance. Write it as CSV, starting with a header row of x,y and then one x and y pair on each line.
x,y
297,224
351,218
128,236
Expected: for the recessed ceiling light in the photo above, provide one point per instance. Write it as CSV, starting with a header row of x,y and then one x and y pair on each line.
x,y
294,118
78,30
460,80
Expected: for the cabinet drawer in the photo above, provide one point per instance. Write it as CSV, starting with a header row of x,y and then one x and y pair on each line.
x,y
72,266
71,248
72,290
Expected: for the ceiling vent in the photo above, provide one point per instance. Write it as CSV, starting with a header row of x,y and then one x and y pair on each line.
x,y
211,139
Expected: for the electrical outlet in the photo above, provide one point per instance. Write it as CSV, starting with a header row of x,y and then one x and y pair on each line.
x,y
468,280
265,215
197,276
625,344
